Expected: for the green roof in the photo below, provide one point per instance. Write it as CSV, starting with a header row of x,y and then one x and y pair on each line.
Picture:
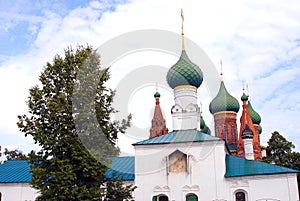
x,y
15,171
122,168
18,171
184,72
223,101
190,135
256,119
237,166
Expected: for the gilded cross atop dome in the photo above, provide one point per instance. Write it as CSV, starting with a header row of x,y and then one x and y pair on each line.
x,y
182,30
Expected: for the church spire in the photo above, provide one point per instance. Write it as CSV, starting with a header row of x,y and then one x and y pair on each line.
x,y
158,123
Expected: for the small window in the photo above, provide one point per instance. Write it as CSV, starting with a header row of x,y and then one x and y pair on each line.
x,y
163,198
160,198
240,196
191,197
0,196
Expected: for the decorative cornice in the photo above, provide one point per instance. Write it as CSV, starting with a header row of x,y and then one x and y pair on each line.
x,y
225,112
185,86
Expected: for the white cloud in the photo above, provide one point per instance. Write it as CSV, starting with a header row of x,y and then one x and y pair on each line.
x,y
257,41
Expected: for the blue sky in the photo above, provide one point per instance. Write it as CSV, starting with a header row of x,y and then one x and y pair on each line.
x,y
257,41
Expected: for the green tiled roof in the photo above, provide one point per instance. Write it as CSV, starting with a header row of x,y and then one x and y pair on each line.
x,y
179,136
184,72
15,171
122,168
256,119
237,166
18,171
223,101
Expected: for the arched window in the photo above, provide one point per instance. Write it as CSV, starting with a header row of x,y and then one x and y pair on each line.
x,y
160,198
191,197
163,198
0,196
240,196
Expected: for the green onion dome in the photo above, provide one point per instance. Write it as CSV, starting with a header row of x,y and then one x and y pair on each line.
x,y
259,129
254,115
223,101
247,133
156,95
244,97
206,130
202,122
203,127
184,72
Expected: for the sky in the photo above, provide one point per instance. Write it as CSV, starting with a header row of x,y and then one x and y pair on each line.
x,y
257,41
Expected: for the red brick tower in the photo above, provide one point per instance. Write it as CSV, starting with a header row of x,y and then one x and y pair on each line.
x,y
224,107
158,123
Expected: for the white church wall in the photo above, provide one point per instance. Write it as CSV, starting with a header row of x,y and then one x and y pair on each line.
x,y
205,176
265,187
17,192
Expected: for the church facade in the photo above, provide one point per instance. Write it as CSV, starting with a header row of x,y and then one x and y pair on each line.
x,y
191,162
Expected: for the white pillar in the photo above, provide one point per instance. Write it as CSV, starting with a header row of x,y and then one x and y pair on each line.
x,y
248,146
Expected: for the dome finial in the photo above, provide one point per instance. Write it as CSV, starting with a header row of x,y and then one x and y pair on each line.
x,y
244,96
157,94
247,90
221,74
182,32
200,108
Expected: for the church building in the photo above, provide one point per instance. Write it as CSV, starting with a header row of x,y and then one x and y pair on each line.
x,y
191,162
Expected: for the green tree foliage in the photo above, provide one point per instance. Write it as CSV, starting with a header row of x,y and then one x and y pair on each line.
x,y
14,154
71,108
280,152
117,191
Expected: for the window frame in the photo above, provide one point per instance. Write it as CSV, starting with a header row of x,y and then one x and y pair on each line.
x,y
240,191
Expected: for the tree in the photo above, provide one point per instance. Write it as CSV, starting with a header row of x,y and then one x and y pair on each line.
x,y
61,121
117,191
14,154
280,152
